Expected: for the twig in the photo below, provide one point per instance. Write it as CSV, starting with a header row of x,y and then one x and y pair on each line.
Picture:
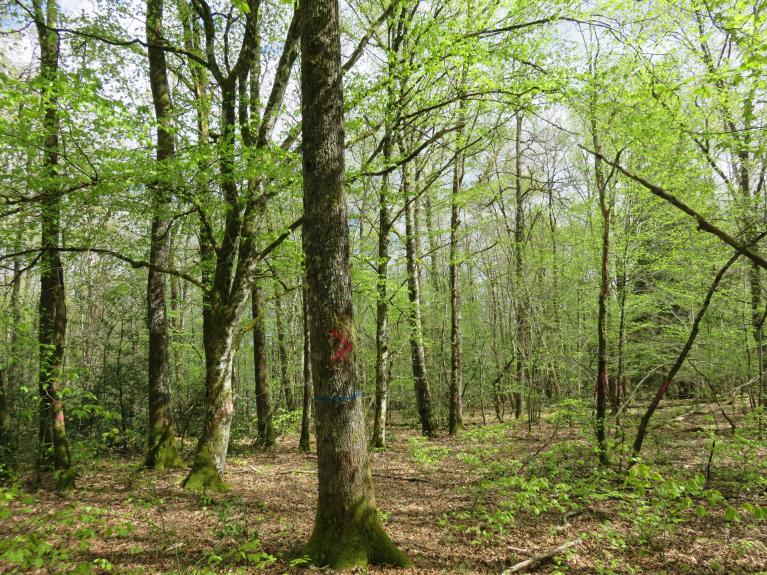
x,y
528,563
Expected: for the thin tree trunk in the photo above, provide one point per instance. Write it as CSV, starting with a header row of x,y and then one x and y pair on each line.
x,y
347,530
455,418
162,450
265,438
604,293
519,239
661,391
417,353
54,447
306,416
282,353
378,438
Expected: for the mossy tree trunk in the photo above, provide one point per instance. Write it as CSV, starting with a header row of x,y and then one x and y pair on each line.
x,y
54,446
162,450
347,530
210,458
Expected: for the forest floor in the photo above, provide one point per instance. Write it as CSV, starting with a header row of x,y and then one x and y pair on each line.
x,y
477,504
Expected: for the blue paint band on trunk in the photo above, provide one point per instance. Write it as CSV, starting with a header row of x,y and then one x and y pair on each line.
x,y
338,398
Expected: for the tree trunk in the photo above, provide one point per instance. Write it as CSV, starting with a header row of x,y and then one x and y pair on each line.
x,y
210,457
519,239
306,416
417,354
661,391
455,417
6,443
265,438
347,530
282,353
162,450
54,447
604,293
382,306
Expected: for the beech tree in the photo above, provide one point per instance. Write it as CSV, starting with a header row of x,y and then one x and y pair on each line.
x,y
347,529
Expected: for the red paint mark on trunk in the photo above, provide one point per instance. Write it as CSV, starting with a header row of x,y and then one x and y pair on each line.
x,y
601,384
663,388
346,346
60,417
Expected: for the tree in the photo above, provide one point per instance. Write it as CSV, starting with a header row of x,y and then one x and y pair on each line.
x,y
347,530
54,446
162,450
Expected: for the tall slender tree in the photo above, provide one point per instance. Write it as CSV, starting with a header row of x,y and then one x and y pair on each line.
x,y
162,450
54,446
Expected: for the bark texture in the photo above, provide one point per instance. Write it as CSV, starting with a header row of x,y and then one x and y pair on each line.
x,y
265,438
162,450
54,446
417,352
347,530
308,401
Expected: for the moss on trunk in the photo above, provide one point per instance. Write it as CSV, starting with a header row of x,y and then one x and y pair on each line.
x,y
204,477
163,454
355,541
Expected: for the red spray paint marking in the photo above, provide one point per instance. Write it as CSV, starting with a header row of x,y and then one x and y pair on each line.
x,y
346,345
60,417
600,383
663,388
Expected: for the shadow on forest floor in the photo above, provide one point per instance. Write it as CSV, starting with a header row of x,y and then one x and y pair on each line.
x,y
475,504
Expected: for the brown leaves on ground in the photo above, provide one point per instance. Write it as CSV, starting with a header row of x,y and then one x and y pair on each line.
x,y
438,500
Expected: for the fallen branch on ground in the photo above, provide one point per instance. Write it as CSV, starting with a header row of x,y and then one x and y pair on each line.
x,y
527,563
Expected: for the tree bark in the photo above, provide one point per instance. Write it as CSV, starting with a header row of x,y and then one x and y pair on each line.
x,y
306,416
210,456
282,354
382,304
265,438
455,416
604,293
417,353
347,530
54,446
519,240
162,450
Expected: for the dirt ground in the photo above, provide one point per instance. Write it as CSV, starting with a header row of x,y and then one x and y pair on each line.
x,y
476,504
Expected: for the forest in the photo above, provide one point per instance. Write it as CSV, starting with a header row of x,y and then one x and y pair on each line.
x,y
389,286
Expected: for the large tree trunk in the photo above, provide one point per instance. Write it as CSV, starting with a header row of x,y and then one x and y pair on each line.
x,y
210,457
54,447
162,450
265,438
347,530
282,353
306,416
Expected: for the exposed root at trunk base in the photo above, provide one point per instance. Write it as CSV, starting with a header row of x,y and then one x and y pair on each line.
x,y
163,455
65,479
357,541
204,477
